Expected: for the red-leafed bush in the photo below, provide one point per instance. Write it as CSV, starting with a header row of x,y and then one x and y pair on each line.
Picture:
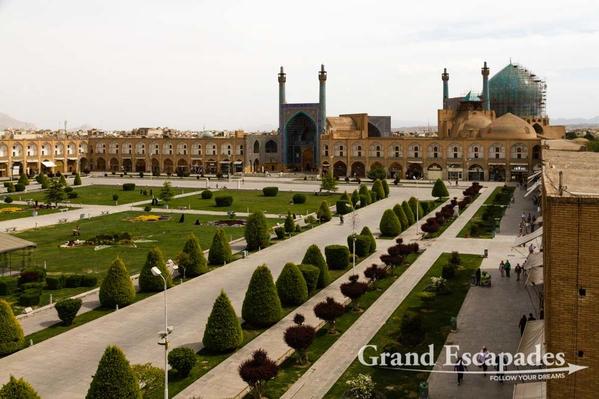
x,y
329,311
374,273
354,289
257,371
300,337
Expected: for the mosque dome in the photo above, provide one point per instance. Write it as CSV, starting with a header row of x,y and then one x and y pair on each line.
x,y
517,90
476,122
509,126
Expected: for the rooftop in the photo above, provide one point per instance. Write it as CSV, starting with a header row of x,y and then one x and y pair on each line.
x,y
580,173
9,243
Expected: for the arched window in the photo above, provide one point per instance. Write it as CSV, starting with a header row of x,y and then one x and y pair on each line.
x,y
497,151
225,149
270,147
196,149
475,151
31,149
339,150
414,151
181,149
454,151
167,148
519,151
58,149
434,151
375,150
357,150
325,150
395,151
140,148
256,147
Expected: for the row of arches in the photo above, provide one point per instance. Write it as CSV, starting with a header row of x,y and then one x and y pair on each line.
x,y
167,148
270,147
168,166
18,150
433,151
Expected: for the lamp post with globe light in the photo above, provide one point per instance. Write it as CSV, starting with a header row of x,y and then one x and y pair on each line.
x,y
164,334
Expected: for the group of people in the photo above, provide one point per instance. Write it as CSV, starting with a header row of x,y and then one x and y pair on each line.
x,y
527,224
483,359
523,321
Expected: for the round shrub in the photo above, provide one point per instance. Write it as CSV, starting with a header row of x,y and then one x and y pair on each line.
x,y
299,337
329,311
261,305
67,310
324,212
311,274
257,370
280,232
88,280
362,244
19,187
220,250
182,360
18,389
389,225
270,191
223,331
343,207
337,256
291,286
55,282
206,194
314,257
129,187
299,198
8,200
30,297
192,258
114,378
147,281
8,285
73,195
147,208
11,333
223,200
366,232
256,232
353,290
73,281
117,288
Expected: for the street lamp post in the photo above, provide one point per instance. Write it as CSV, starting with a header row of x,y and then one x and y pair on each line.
x,y
164,334
354,221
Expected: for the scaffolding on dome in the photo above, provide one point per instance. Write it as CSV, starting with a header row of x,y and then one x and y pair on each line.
x,y
517,90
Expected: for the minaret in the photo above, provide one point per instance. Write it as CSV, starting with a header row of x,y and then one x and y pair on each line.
x,y
322,78
445,78
485,96
282,80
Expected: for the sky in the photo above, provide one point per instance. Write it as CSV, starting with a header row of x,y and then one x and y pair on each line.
x,y
213,64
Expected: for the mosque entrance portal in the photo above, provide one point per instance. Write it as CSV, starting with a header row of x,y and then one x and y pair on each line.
x,y
301,138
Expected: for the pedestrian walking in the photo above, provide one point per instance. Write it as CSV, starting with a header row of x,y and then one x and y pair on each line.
x,y
482,358
502,268
531,317
460,368
522,324
507,267
531,248
518,270
478,275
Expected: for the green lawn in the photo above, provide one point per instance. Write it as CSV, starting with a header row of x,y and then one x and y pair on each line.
x,y
254,200
436,323
22,212
101,195
290,371
495,207
169,235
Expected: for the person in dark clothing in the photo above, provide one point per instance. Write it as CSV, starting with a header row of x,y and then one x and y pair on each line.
x,y
531,317
478,274
460,368
522,324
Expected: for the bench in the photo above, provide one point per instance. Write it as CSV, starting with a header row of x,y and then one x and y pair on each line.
x,y
104,213
9,229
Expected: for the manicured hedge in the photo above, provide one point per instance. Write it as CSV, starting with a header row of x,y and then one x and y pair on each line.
x,y
311,274
291,286
18,389
366,232
114,378
206,194
220,250
261,305
129,187
32,275
117,288
337,256
324,212
223,331
147,281
192,258
299,198
67,309
182,360
377,187
8,285
30,297
362,244
270,191
314,257
343,207
257,234
223,200
389,225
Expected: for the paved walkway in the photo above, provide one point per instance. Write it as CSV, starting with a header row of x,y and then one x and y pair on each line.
x,y
62,367
489,316
325,372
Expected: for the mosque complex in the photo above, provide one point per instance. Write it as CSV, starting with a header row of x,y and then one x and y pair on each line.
x,y
492,136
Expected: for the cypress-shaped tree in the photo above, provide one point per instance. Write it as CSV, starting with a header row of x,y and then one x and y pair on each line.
x,y
314,257
401,216
63,181
324,212
365,193
409,214
18,389
377,188
261,305
117,287
257,234
77,181
439,189
385,187
416,207
291,286
389,225
355,197
114,378
23,179
147,281
223,331
345,197
11,333
289,223
366,232
220,250
193,259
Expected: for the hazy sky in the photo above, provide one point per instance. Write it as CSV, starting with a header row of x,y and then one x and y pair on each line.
x,y
190,64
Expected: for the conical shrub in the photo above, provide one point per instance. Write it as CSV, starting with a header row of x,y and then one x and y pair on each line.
x,y
366,232
324,212
193,260
257,233
409,214
77,180
364,195
147,281
261,305
11,333
220,250
439,189
114,378
314,257
289,223
377,187
401,216
117,287
389,225
291,286
416,208
385,187
18,389
355,197
223,331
